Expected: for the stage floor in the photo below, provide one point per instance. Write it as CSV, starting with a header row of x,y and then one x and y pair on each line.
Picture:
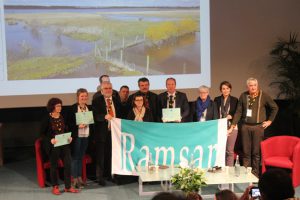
x,y
18,180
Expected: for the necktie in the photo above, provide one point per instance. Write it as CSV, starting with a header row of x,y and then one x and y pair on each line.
x,y
109,107
171,101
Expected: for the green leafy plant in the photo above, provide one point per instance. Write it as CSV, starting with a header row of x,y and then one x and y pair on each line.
x,y
189,180
286,64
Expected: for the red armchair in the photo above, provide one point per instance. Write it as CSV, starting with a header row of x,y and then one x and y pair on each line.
x,y
41,165
282,152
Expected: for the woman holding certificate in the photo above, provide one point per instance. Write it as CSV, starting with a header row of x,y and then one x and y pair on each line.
x,y
79,121
55,142
140,110
205,108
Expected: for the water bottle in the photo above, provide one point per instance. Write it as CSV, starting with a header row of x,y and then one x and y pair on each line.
x,y
237,167
192,162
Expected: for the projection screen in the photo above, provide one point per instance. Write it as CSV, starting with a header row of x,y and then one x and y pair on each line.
x,y
58,46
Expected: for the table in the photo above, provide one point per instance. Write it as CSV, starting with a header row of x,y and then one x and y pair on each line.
x,y
220,177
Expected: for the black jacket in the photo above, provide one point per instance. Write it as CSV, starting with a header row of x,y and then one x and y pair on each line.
x,y
101,124
181,102
211,111
233,105
71,121
147,117
152,101
47,134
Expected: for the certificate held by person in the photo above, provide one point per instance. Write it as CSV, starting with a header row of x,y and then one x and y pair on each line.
x,y
84,118
62,139
171,115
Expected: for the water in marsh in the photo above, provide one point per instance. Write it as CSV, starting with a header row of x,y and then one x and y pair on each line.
x,y
24,41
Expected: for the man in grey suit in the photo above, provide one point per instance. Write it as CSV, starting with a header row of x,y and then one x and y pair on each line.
x,y
173,99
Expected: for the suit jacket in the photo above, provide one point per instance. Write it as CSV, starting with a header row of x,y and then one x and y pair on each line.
x,y
152,101
181,102
101,131
233,105
211,111
125,108
115,94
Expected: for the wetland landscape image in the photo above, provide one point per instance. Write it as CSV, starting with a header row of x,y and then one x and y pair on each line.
x,y
53,39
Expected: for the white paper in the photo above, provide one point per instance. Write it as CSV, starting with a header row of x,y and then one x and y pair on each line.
x,y
62,139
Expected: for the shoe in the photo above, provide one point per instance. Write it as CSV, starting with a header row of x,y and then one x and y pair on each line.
x,y
55,190
81,184
75,183
71,190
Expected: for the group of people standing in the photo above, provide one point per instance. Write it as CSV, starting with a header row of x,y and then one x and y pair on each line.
x,y
54,123
250,111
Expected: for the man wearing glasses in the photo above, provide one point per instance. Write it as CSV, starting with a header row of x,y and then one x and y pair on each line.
x,y
105,78
257,111
105,107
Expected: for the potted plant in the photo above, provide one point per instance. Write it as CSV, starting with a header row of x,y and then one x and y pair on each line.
x,y
286,64
189,180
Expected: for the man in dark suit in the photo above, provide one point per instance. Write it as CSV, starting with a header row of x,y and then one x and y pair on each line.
x,y
124,97
151,97
105,78
105,107
174,99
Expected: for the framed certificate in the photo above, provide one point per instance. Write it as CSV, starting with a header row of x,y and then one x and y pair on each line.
x,y
62,139
84,117
171,114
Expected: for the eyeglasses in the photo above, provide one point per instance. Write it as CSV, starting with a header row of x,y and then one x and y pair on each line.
x,y
138,100
107,88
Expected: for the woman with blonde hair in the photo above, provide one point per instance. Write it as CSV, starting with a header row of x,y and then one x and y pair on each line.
x,y
80,135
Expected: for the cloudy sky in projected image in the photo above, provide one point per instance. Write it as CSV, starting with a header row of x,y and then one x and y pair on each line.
x,y
106,3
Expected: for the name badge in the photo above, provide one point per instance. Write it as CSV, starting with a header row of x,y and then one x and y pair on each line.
x,y
249,113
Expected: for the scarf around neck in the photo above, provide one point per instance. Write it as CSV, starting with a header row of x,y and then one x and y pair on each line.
x,y
139,115
201,106
224,107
